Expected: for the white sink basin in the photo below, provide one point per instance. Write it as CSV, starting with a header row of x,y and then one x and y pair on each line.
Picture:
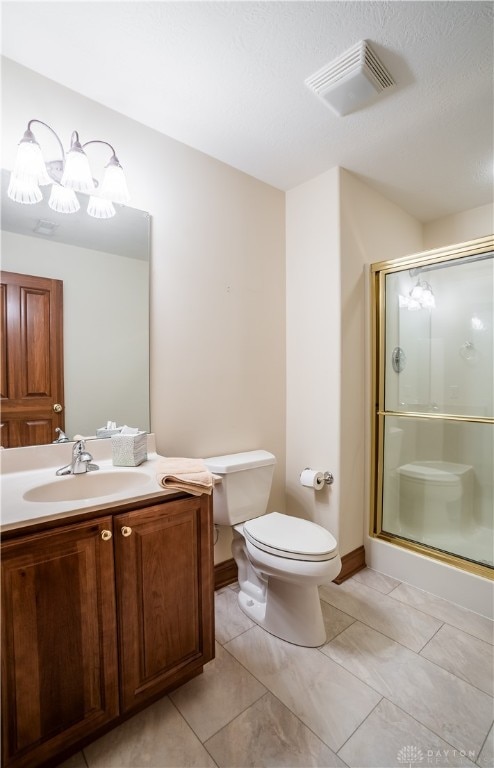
x,y
90,485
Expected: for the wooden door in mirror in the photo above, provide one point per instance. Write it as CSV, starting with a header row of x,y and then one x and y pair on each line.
x,y
32,399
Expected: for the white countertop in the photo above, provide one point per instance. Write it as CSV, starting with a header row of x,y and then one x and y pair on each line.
x,y
23,469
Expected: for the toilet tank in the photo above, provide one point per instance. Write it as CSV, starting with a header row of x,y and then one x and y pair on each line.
x,y
245,485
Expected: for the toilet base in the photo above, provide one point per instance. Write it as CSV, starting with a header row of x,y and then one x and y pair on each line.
x,y
281,595
290,612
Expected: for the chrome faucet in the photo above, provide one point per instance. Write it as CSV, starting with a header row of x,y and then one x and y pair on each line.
x,y
81,461
62,437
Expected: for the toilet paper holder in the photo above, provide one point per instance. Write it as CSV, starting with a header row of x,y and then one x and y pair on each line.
x,y
328,477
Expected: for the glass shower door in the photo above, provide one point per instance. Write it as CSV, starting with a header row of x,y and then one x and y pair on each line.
x,y
435,405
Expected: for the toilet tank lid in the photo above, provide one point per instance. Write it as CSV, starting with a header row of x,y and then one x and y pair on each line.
x,y
439,471
235,462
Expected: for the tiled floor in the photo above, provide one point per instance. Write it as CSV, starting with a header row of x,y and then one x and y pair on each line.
x,y
405,679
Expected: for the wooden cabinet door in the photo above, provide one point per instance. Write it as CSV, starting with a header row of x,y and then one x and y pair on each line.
x,y
31,359
59,667
164,596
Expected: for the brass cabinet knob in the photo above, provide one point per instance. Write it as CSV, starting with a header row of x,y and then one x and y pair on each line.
x,y
58,408
126,530
106,535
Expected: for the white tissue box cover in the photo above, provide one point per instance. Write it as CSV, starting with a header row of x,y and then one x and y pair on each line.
x,y
129,450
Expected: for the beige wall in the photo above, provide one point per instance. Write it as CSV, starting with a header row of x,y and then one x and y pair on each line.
x,y
335,226
313,345
372,229
217,276
460,227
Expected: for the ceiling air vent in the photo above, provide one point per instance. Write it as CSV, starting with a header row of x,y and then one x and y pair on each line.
x,y
351,80
45,227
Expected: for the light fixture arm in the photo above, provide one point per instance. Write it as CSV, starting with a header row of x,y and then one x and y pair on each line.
x,y
100,141
35,120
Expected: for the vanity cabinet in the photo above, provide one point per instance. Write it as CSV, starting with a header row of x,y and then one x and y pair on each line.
x,y
59,661
164,597
99,618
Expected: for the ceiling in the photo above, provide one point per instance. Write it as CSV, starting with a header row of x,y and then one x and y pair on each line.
x,y
228,79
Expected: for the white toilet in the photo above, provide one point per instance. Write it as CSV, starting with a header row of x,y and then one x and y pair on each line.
x,y
435,497
281,559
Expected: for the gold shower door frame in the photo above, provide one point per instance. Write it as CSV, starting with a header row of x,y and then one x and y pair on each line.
x,y
378,272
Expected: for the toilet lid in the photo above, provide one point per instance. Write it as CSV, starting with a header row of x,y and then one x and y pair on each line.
x,y
426,472
290,537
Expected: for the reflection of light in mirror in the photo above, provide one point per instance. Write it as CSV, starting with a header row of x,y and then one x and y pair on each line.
x,y
477,324
100,208
406,302
63,200
428,300
421,296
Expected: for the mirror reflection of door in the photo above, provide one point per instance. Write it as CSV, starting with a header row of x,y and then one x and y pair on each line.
x,y
32,400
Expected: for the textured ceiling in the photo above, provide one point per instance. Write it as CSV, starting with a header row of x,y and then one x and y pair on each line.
x,y
228,79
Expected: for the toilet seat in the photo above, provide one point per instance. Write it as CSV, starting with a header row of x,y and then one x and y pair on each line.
x,y
290,537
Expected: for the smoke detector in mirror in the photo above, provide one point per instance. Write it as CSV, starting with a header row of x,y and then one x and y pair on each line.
x,y
352,80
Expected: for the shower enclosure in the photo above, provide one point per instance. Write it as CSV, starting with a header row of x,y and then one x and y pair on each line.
x,y
433,387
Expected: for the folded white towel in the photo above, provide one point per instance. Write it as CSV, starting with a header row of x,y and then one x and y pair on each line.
x,y
189,475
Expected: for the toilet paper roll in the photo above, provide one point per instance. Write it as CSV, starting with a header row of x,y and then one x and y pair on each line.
x,y
312,479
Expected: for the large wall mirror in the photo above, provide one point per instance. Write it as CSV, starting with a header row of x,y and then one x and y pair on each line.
x,y
104,266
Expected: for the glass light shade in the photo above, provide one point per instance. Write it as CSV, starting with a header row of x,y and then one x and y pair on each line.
x,y
76,173
29,163
63,200
114,185
100,208
23,189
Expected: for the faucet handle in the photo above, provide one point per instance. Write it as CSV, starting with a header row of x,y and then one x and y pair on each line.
x,y
81,461
62,437
80,452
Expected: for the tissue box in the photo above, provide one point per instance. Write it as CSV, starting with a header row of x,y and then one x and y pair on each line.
x,y
129,450
104,432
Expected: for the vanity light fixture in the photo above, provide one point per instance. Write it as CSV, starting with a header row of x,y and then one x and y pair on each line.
x,y
67,176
